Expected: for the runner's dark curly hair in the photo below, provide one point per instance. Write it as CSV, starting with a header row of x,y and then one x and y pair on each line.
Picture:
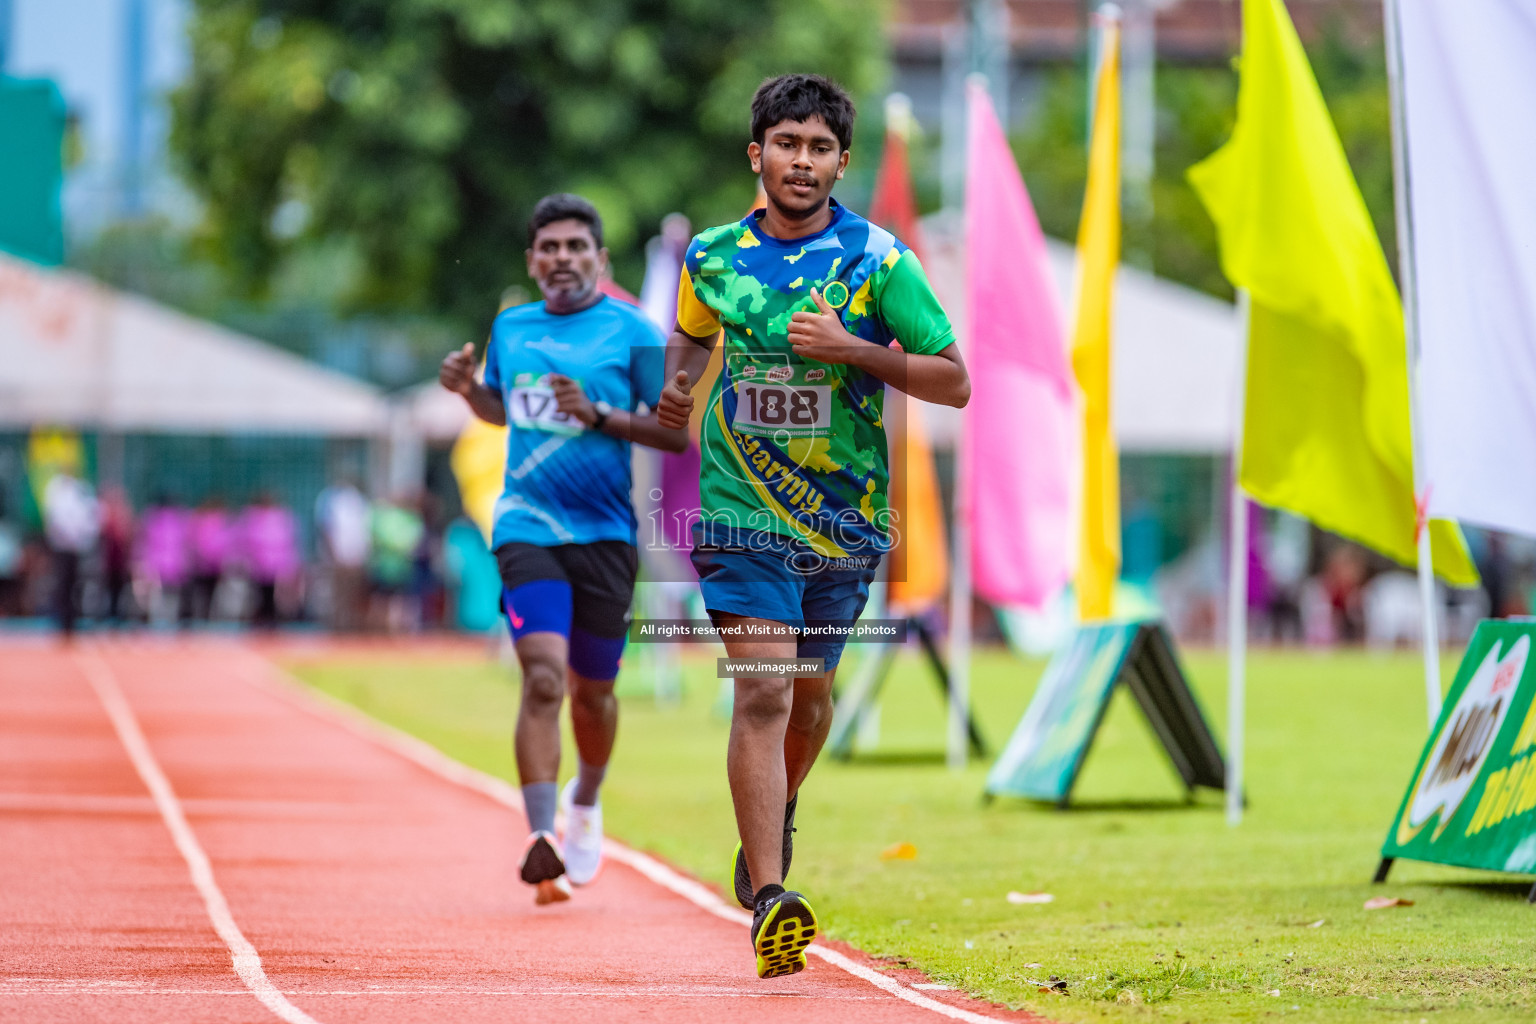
x,y
800,98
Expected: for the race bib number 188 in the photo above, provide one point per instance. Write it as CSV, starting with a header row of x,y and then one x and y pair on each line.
x,y
780,400
803,411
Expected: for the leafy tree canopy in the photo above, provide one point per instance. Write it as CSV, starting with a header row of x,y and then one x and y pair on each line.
x,y
409,139
1196,109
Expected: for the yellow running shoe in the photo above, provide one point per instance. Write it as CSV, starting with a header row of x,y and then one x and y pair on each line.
x,y
783,925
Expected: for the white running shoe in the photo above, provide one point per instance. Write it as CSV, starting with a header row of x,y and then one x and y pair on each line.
x,y
583,838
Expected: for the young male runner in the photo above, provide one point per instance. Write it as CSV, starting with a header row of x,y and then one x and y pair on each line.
x,y
793,483
567,373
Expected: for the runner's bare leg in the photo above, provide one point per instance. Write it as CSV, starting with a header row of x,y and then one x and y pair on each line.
x,y
536,740
594,717
754,760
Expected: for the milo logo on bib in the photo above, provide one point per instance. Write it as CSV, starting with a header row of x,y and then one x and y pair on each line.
x,y
785,403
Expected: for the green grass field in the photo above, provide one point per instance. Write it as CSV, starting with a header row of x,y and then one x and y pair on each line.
x,y
1161,911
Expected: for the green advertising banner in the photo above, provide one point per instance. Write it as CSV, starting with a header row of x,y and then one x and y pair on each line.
x,y
1047,750
1471,800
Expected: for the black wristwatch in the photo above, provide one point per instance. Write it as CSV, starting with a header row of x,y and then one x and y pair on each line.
x,y
603,411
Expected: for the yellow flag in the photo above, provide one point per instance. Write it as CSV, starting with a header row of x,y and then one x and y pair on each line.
x,y
1326,429
51,452
1098,254
479,461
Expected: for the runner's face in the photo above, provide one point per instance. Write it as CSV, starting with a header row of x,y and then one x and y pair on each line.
x,y
566,262
799,162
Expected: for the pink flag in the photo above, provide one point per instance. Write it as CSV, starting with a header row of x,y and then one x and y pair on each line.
x,y
1020,441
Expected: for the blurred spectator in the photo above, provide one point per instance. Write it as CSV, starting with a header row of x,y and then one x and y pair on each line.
x,y
342,514
1288,552
396,531
36,576
1343,580
164,560
1392,610
473,578
11,553
1499,564
116,553
72,523
212,540
429,597
269,537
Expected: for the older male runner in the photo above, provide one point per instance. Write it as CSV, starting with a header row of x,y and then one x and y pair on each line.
x,y
566,375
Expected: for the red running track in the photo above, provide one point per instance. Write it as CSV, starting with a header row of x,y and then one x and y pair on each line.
x,y
350,875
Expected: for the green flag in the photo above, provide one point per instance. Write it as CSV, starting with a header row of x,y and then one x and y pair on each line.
x,y
31,169
1326,429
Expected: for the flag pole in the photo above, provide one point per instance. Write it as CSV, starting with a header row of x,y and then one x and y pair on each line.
x,y
1406,274
960,613
1237,590
957,747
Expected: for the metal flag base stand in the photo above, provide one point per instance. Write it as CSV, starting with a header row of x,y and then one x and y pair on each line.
x,y
1386,866
863,693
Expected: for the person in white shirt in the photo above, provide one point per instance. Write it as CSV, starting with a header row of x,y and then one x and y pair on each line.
x,y
342,513
72,524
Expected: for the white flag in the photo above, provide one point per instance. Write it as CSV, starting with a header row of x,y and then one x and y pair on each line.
x,y
1469,91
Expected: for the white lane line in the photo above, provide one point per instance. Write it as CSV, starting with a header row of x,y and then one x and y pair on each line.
x,y
274,678
74,803
643,992
247,962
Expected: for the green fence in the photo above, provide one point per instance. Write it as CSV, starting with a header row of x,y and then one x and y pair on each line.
x,y
188,469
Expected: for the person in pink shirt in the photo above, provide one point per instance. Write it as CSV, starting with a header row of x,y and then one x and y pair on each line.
x,y
164,556
212,542
270,540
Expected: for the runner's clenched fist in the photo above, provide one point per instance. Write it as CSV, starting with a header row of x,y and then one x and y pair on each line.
x,y
676,404
457,372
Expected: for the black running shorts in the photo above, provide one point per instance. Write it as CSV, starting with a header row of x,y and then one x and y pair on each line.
x,y
601,576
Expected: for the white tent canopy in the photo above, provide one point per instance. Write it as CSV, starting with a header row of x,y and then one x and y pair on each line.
x,y
432,411
1176,359
74,353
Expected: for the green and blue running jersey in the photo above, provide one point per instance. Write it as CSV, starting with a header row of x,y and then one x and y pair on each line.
x,y
794,446
567,483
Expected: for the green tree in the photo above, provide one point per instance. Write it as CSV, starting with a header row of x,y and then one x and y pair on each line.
x,y
410,138
1196,108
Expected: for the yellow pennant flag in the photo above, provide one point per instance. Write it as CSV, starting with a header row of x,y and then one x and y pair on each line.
x,y
1326,430
479,461
1098,254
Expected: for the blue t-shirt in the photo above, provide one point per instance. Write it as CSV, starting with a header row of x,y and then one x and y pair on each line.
x,y
566,483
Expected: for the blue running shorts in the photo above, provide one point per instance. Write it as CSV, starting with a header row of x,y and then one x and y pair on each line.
x,y
767,576
581,591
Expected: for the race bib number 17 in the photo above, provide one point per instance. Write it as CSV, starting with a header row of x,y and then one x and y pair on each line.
x,y
533,407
